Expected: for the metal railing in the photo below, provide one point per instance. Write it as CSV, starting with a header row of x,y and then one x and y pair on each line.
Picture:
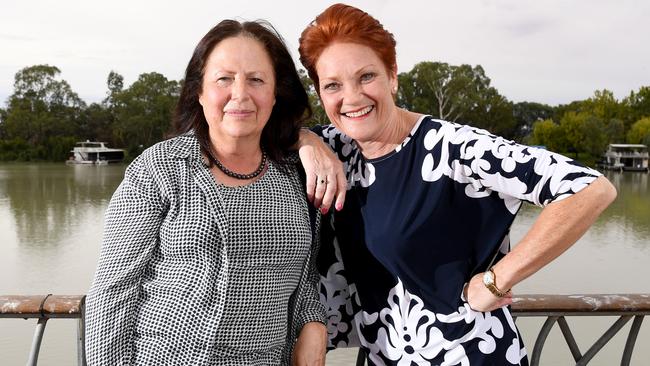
x,y
555,308
44,308
626,154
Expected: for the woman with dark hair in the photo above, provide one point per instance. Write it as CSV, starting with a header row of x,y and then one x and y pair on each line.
x,y
417,267
209,244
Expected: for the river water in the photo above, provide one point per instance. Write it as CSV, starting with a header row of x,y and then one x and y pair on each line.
x,y
51,219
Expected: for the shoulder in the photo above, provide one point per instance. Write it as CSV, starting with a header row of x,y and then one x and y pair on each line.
x,y
453,129
164,153
179,147
454,136
160,163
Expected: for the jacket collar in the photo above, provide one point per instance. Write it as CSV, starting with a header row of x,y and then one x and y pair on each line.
x,y
185,146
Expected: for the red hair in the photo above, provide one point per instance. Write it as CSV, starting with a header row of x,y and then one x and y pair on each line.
x,y
345,23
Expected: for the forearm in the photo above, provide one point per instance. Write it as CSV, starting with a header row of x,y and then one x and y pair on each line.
x,y
306,137
559,226
309,305
325,180
311,345
110,317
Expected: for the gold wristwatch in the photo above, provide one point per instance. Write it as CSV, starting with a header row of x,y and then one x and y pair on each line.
x,y
490,281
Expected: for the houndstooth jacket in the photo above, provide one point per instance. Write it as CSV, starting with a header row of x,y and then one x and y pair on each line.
x,y
166,193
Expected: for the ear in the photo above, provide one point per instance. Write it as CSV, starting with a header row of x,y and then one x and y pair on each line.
x,y
201,99
393,80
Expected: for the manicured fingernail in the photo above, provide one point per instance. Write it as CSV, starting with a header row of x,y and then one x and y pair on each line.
x,y
339,206
323,210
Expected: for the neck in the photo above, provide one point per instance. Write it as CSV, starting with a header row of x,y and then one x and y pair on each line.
x,y
395,130
240,154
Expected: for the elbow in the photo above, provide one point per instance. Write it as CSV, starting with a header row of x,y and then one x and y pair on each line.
x,y
611,193
607,192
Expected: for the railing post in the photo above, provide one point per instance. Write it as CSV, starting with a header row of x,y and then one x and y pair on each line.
x,y
81,334
541,339
631,340
36,342
570,340
602,341
361,357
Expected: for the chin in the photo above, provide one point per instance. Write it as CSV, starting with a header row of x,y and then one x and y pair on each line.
x,y
357,130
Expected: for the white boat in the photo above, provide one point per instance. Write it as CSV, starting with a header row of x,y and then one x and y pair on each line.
x,y
626,157
94,152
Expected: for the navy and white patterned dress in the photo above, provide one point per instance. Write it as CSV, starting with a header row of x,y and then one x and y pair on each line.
x,y
417,224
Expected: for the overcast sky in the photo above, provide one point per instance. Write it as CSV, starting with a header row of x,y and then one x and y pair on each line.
x,y
551,51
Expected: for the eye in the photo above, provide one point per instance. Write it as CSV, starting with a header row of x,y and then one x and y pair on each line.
x,y
256,81
331,86
367,77
223,80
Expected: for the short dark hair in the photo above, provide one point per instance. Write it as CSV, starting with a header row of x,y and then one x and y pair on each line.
x,y
291,107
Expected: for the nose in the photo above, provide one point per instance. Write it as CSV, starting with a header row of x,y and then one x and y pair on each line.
x,y
352,93
239,90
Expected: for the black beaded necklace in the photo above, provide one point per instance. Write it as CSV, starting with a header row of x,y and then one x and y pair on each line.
x,y
230,173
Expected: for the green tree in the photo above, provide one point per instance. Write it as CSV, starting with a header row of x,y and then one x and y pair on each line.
x,y
458,94
526,114
576,106
638,103
319,117
584,133
615,130
143,112
42,108
3,117
493,112
549,134
639,133
99,119
115,84
97,123
445,91
604,105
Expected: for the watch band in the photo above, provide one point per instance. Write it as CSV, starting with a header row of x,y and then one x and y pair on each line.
x,y
492,285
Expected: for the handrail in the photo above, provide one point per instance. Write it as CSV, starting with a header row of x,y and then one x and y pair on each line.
x,y
554,307
53,306
577,305
43,308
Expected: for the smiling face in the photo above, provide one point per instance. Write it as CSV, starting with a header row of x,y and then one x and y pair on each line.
x,y
238,91
355,89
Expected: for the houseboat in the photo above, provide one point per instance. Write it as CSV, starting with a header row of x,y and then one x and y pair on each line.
x,y
632,157
94,152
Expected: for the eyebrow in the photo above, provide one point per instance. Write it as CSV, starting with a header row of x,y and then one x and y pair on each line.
x,y
359,71
249,73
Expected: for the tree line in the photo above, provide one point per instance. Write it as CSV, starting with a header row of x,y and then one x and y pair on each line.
x,y
44,117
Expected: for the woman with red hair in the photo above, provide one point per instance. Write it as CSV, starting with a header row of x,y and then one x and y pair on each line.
x,y
419,268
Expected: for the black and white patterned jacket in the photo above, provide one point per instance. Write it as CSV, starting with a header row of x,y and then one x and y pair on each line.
x,y
164,265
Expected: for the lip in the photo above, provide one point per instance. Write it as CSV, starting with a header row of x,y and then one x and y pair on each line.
x,y
238,112
365,111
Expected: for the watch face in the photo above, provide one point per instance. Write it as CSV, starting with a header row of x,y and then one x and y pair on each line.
x,y
487,278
